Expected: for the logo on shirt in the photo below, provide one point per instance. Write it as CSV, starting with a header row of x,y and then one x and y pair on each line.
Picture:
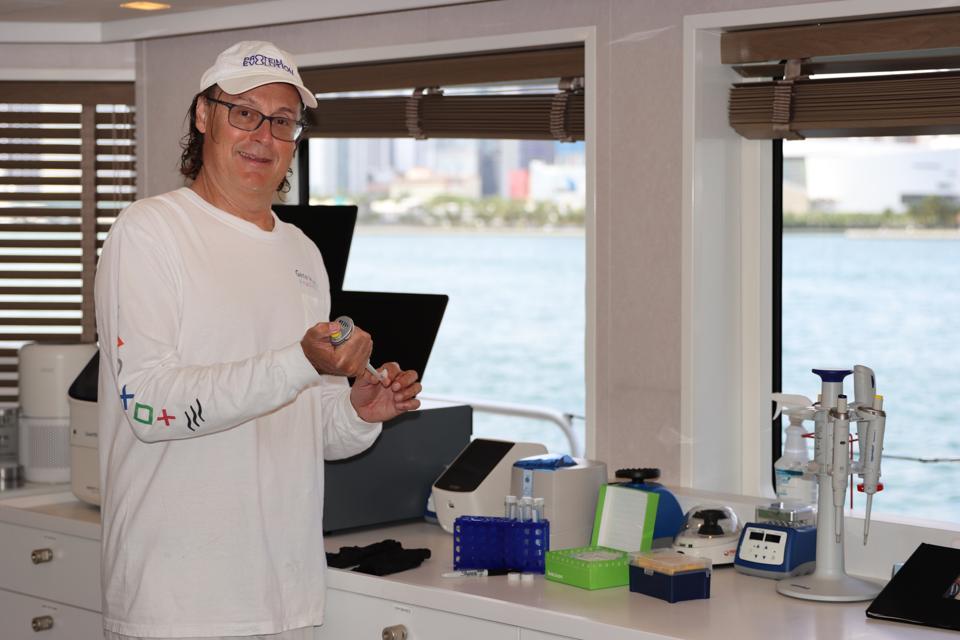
x,y
306,280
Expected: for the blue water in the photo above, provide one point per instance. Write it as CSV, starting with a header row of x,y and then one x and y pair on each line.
x,y
514,327
514,331
893,305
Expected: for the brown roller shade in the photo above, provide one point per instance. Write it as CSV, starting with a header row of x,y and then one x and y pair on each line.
x,y
430,114
523,117
912,104
891,101
67,164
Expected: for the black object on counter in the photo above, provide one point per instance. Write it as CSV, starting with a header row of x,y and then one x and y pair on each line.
x,y
378,559
925,591
352,556
387,563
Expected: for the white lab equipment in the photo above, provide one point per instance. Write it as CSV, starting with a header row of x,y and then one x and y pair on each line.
x,y
45,373
710,532
477,481
567,488
832,417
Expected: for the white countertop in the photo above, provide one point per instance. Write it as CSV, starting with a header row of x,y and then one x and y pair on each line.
x,y
738,605
746,606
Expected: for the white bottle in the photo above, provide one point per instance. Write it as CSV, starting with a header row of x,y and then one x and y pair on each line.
x,y
796,486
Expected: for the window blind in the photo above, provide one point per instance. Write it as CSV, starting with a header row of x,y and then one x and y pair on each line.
x,y
905,78
67,167
426,112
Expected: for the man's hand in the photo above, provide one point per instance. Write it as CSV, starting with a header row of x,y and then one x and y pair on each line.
x,y
349,359
377,401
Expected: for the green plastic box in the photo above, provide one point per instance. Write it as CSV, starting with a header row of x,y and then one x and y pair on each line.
x,y
623,524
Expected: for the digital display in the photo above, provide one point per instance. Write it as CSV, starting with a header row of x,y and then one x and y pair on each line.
x,y
756,535
473,465
773,537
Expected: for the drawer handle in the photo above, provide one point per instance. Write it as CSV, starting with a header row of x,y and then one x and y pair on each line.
x,y
396,632
42,623
39,556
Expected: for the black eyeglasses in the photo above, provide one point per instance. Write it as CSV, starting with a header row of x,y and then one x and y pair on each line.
x,y
249,119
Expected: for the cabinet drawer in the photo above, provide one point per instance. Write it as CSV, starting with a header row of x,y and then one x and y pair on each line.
x,y
19,613
51,566
358,617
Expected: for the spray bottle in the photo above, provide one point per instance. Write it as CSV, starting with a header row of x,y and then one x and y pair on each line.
x,y
796,485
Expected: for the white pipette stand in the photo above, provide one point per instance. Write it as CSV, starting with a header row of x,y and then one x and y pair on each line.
x,y
832,417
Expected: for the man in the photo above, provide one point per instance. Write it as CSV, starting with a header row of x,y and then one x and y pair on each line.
x,y
220,390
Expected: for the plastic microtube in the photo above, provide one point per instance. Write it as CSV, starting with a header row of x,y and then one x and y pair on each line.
x,y
510,507
526,509
513,576
526,578
537,509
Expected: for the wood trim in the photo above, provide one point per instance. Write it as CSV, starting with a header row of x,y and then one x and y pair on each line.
x,y
56,92
876,35
860,65
499,66
88,221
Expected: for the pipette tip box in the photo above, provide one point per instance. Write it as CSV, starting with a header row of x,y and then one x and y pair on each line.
x,y
669,575
624,523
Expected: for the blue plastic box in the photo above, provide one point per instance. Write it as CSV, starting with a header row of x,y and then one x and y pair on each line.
x,y
670,576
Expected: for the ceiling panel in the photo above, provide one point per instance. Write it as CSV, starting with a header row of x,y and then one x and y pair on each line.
x,y
97,10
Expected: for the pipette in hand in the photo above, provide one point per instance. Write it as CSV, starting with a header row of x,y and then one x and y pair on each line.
x,y
339,337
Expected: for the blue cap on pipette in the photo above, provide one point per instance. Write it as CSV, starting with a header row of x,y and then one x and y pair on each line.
x,y
833,375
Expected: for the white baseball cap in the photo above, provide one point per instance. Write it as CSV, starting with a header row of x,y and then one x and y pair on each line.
x,y
252,63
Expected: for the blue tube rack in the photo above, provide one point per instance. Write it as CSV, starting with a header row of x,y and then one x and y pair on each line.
x,y
481,542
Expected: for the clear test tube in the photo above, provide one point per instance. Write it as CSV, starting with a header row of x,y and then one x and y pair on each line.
x,y
526,509
510,507
537,510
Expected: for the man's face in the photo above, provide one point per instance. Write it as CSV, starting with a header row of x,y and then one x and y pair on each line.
x,y
247,163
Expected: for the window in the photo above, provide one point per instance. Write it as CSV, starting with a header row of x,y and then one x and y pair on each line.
x,y
66,170
867,197
467,190
871,255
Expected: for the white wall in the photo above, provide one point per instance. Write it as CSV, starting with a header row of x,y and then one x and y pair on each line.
x,y
67,61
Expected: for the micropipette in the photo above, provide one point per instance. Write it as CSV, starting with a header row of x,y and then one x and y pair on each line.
x,y
339,337
873,451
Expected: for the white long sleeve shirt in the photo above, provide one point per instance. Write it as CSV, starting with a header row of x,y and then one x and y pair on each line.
x,y
213,424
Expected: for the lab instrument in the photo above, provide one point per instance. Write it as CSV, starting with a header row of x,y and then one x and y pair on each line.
x,y
567,490
669,519
45,373
346,330
476,482
832,416
771,550
711,532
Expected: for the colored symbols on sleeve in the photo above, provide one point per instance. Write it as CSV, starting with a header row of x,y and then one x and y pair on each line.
x,y
194,416
166,417
143,413
119,342
124,397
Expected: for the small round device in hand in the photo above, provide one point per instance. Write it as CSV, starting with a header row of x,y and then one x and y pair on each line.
x,y
337,338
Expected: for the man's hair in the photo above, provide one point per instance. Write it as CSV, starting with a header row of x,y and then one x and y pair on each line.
x,y
191,158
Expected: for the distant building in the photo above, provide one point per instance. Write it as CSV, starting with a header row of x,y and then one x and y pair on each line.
x,y
870,175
